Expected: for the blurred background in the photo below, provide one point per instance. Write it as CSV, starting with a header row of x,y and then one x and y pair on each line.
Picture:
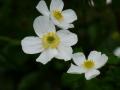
x,y
97,27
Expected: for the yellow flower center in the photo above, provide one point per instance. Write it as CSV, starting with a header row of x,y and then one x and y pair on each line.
x,y
88,64
50,40
58,15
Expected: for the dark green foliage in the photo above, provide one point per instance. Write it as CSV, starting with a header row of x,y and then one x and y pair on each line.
x,y
98,28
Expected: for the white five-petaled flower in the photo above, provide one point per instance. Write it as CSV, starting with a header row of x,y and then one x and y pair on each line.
x,y
117,52
49,42
88,66
62,19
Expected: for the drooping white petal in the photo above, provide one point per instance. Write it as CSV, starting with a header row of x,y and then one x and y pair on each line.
x,y
91,74
42,8
67,38
56,5
101,62
94,55
46,56
69,16
32,45
43,25
79,58
76,69
117,52
64,52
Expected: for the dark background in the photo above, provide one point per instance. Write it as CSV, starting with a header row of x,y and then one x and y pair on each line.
x,y
98,28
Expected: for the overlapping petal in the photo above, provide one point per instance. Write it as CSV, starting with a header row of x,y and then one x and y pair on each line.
x,y
69,16
67,38
43,25
32,45
91,74
79,58
47,55
76,69
94,55
101,62
56,5
64,52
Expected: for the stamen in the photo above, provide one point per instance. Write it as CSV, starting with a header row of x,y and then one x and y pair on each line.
x,y
88,64
58,15
50,40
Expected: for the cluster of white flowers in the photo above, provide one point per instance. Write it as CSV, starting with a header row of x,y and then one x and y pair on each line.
x,y
52,43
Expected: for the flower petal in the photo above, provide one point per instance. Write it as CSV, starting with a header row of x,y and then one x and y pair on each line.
x,y
79,58
76,69
56,5
42,8
67,38
91,74
64,52
43,25
94,55
65,25
69,16
32,45
46,56
101,62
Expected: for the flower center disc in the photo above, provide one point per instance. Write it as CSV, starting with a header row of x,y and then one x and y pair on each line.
x,y
50,40
58,15
88,64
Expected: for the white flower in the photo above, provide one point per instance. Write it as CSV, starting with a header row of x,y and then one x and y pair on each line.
x,y
48,42
88,66
117,52
108,1
62,19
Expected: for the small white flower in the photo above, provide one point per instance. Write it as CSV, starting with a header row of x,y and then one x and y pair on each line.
x,y
49,42
117,52
88,66
62,19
